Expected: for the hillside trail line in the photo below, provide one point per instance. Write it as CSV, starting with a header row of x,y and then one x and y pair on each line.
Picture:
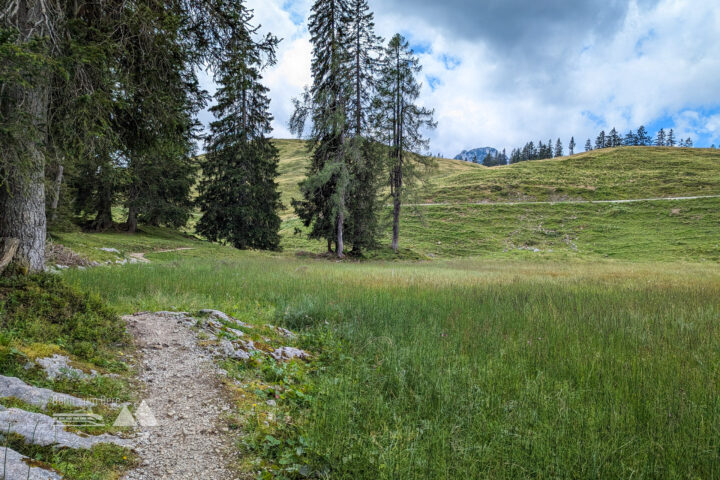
x,y
185,394
555,202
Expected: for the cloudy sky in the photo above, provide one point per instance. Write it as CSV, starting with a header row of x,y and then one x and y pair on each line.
x,y
502,72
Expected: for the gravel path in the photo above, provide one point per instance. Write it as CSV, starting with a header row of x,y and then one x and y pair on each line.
x,y
185,395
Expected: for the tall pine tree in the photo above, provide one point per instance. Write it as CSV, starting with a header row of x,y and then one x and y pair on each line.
x,y
660,140
238,195
399,122
643,139
671,141
572,146
364,157
325,190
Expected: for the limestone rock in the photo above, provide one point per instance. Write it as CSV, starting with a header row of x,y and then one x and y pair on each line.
x,y
59,366
288,353
40,397
14,466
42,430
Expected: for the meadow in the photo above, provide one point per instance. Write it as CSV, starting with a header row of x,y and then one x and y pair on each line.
x,y
479,369
506,341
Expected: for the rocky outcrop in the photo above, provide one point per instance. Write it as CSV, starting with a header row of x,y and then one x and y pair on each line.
x,y
45,431
40,397
14,466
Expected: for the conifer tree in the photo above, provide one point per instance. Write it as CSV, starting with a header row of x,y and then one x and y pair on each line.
x,y
588,145
660,140
601,141
364,158
689,143
558,148
614,139
671,141
238,195
325,190
643,139
572,146
399,122
630,139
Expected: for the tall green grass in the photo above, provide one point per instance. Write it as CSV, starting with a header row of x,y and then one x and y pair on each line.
x,y
482,370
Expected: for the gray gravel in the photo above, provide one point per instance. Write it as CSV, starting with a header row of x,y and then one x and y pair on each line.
x,y
188,399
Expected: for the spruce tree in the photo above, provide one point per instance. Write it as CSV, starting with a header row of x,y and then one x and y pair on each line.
x,y
630,139
614,139
572,146
671,142
601,140
399,122
364,158
588,145
689,143
238,195
643,139
660,140
325,190
558,148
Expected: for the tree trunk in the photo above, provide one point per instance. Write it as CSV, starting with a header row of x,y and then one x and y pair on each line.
x,y
56,197
330,247
132,220
340,224
23,212
8,249
104,218
396,224
22,200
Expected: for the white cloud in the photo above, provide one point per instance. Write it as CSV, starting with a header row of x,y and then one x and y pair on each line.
x,y
652,61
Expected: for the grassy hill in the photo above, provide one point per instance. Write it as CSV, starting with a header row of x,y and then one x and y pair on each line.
x,y
668,230
294,160
609,174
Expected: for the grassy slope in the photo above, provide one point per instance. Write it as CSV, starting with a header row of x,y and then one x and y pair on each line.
x,y
612,174
683,230
666,231
294,161
479,369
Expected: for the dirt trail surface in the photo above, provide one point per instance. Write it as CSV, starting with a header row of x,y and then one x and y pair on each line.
x,y
632,200
186,396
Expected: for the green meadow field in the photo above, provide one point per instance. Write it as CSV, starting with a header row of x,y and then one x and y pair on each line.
x,y
536,340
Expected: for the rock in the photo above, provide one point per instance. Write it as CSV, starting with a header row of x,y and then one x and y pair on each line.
x,y
224,317
14,466
288,353
42,430
172,314
228,349
283,331
271,403
59,366
215,314
40,397
110,250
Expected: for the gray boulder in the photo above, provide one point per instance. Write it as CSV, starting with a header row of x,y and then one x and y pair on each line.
x,y
42,430
14,466
40,397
